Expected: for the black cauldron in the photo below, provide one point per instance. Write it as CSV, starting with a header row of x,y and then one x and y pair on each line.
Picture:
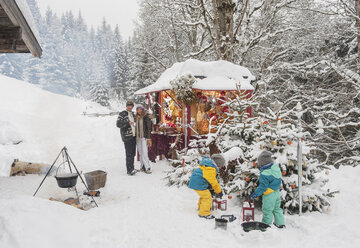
x,y
67,180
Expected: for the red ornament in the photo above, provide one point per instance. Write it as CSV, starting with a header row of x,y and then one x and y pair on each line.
x,y
229,197
170,124
293,186
168,117
223,93
284,173
247,179
225,109
199,94
213,116
266,122
222,100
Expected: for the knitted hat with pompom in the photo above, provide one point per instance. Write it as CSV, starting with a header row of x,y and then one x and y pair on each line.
x,y
218,159
264,158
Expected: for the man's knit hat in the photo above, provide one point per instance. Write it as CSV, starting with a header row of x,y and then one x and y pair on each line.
x,y
218,159
264,158
129,103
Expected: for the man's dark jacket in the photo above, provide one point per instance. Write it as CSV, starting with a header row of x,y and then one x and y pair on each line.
x,y
123,123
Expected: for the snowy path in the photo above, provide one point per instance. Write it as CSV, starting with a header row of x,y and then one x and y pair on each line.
x,y
139,211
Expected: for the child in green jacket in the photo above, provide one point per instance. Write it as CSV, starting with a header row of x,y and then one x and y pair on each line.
x,y
269,188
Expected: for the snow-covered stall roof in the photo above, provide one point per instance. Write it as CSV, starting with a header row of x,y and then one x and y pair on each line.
x,y
219,75
16,14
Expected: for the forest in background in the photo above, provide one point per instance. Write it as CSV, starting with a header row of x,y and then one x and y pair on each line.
x,y
300,51
77,60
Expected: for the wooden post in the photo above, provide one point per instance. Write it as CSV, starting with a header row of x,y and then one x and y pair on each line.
x,y
249,95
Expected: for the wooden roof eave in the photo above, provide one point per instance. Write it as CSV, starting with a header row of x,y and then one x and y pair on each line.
x,y
17,18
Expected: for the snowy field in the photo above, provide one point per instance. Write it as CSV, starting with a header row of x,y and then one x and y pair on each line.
x,y
139,211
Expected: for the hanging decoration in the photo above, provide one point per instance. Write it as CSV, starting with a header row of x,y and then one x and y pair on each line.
x,y
182,86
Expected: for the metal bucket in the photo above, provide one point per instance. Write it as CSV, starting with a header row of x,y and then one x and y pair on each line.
x,y
221,223
67,180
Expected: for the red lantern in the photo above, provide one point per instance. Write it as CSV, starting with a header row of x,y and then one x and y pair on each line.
x,y
248,211
219,204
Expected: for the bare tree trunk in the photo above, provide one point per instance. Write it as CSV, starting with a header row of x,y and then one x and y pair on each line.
x,y
224,27
176,41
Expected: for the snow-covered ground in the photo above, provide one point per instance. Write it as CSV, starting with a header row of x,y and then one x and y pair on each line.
x,y
139,211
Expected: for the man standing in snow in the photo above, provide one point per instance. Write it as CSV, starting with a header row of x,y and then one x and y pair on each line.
x,y
126,123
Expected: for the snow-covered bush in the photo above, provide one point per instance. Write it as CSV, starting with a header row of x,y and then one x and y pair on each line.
x,y
9,134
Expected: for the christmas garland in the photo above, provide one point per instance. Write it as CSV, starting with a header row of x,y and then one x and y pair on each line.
x,y
182,86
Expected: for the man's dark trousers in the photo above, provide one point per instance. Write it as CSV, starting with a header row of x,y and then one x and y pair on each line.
x,y
130,150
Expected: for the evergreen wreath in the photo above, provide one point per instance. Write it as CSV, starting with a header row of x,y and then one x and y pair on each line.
x,y
182,86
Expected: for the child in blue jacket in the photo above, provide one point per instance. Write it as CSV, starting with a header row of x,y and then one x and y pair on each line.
x,y
269,188
203,179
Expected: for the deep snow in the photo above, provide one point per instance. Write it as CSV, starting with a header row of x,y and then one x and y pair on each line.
x,y
139,211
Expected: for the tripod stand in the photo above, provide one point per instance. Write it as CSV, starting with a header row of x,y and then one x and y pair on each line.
x,y
67,160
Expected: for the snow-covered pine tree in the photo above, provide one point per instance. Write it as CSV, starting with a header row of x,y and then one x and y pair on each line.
x,y
70,54
274,131
121,65
143,69
11,66
100,94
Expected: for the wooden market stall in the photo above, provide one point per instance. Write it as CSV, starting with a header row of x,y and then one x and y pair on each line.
x,y
179,111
